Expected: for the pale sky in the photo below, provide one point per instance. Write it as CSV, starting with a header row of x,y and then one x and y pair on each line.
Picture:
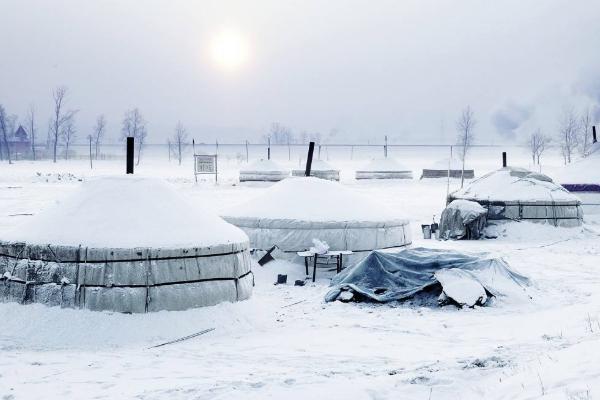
x,y
365,68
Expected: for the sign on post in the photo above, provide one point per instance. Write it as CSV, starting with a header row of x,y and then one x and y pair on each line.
x,y
205,164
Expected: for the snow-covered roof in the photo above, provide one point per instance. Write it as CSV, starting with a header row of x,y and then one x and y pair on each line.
x,y
443,164
313,199
125,212
384,165
513,184
320,165
264,166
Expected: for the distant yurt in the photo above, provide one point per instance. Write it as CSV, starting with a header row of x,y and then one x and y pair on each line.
x,y
125,244
516,194
445,167
384,168
263,171
320,169
582,178
293,212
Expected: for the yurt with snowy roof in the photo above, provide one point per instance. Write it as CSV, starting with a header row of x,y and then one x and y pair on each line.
x,y
449,167
125,244
293,212
320,169
384,168
517,194
582,178
263,171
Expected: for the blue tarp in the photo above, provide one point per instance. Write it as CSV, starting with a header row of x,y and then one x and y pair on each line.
x,y
385,277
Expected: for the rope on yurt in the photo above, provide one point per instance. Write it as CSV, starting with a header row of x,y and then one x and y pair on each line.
x,y
147,264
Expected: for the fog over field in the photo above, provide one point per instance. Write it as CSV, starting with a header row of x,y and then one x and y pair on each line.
x,y
351,70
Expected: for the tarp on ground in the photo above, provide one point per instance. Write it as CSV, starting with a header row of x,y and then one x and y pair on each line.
x,y
384,277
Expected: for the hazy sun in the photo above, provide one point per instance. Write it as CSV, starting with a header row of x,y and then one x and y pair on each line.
x,y
229,49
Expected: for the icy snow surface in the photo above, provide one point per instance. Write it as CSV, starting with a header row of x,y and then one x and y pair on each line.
x,y
387,164
286,343
264,166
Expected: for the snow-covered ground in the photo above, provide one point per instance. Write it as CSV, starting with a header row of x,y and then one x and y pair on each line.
x,y
285,342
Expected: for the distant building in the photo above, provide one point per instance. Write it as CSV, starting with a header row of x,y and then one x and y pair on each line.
x,y
20,142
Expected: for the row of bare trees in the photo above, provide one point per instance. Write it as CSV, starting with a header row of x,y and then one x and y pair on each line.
x,y
574,135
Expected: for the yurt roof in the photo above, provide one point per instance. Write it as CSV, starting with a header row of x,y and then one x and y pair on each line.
x,y
514,184
320,165
125,212
443,164
313,199
264,165
384,165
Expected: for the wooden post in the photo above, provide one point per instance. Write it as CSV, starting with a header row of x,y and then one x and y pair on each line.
x,y
246,151
269,148
169,144
289,151
91,166
130,143
504,159
311,149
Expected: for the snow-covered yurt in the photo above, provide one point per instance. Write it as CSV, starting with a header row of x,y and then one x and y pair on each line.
x,y
293,212
384,168
263,171
125,244
518,194
583,179
320,169
447,167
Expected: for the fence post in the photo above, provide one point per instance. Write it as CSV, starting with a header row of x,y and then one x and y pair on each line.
x,y
504,159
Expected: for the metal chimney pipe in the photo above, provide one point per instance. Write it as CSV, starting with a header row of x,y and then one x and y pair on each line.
x,y
594,138
129,167
503,159
311,149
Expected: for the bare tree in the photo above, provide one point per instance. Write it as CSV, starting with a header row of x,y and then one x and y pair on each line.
x,y
134,126
98,133
60,117
5,131
465,125
68,135
280,134
32,128
568,134
538,143
585,133
180,140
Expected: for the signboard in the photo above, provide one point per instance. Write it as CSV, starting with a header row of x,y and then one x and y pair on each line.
x,y
205,164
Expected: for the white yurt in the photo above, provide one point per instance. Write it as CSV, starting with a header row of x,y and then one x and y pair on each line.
x,y
447,167
582,178
384,168
125,244
293,212
518,194
263,171
320,169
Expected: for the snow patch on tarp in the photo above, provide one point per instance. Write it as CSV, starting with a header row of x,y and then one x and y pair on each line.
x,y
464,278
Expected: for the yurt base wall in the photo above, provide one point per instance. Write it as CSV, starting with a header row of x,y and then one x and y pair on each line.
x,y
384,175
292,236
454,173
124,280
263,176
329,175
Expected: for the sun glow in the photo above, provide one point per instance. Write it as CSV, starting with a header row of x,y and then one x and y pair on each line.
x,y
229,50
